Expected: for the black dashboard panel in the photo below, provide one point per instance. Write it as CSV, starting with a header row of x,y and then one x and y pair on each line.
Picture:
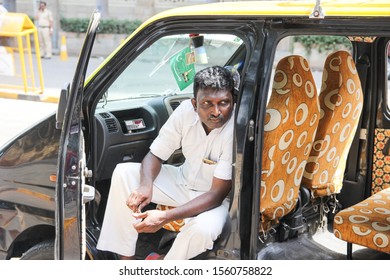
x,y
126,129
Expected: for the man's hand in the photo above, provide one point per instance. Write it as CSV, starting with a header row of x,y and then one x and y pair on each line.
x,y
139,198
150,167
152,221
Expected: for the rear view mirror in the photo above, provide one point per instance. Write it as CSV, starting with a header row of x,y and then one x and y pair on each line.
x,y
62,106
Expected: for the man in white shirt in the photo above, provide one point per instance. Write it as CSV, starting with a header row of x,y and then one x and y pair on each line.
x,y
198,189
44,20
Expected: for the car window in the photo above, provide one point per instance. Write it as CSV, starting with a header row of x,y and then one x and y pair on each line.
x,y
152,73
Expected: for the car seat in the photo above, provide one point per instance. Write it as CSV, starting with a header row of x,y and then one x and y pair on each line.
x,y
341,102
291,121
366,223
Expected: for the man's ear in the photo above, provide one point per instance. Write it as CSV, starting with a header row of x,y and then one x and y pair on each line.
x,y
193,101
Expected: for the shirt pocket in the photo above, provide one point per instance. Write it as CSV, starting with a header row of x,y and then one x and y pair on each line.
x,y
206,175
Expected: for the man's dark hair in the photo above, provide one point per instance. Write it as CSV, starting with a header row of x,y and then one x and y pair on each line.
x,y
216,77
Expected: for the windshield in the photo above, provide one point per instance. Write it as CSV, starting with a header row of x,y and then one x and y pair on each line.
x,y
153,72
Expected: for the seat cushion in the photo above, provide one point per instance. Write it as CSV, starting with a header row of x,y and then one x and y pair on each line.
x,y
341,101
366,223
381,161
174,225
290,123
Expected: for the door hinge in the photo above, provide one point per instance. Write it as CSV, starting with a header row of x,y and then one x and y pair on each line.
x,y
363,134
88,193
87,173
251,131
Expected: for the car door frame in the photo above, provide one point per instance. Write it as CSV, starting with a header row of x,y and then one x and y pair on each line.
x,y
70,235
250,33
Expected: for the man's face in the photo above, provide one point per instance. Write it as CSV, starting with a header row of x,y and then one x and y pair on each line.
x,y
213,107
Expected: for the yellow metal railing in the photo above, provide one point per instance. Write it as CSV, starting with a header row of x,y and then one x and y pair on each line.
x,y
26,75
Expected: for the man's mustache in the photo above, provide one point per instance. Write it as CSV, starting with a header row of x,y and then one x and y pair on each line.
x,y
220,117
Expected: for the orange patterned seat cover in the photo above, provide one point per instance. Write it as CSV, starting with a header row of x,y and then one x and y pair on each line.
x,y
366,223
174,225
381,161
291,121
341,101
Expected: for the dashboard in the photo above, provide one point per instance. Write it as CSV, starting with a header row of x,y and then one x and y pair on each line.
x,y
125,129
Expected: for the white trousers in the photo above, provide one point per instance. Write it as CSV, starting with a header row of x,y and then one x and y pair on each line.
x,y
118,234
45,41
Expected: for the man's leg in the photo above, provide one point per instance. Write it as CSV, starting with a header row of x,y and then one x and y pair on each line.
x,y
118,234
47,43
198,234
41,42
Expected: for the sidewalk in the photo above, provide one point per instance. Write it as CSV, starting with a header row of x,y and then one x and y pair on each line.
x,y
56,73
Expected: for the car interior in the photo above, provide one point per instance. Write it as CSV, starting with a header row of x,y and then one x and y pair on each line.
x,y
312,116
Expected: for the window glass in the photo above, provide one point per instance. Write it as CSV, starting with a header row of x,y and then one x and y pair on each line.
x,y
152,74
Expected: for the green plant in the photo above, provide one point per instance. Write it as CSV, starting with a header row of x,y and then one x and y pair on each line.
x,y
118,27
108,26
74,25
322,43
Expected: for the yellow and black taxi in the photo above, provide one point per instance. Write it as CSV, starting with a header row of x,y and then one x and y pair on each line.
x,y
311,136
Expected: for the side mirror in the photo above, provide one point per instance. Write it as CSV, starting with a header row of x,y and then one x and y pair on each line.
x,y
62,106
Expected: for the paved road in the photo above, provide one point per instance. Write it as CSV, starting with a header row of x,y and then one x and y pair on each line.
x,y
57,72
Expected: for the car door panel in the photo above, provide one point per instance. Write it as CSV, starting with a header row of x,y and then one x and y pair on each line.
x,y
70,209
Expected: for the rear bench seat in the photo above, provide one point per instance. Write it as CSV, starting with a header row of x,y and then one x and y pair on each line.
x,y
366,223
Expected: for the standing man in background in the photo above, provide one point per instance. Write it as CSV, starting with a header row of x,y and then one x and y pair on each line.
x,y
44,20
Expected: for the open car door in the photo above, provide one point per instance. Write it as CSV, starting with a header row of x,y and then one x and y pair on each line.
x,y
71,191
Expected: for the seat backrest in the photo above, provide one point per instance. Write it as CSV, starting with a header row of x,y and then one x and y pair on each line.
x,y
341,102
291,121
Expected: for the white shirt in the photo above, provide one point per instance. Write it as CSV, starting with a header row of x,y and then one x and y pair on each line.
x,y
184,129
45,18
